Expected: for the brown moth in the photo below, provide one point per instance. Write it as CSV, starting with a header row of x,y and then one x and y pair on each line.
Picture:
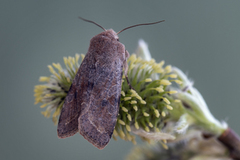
x,y
92,103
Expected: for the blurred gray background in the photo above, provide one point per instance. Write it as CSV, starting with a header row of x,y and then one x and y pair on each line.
x,y
200,37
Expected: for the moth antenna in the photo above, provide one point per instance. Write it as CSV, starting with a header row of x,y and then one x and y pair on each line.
x,y
92,22
140,25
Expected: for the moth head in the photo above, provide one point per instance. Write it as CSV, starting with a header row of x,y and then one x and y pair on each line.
x,y
110,34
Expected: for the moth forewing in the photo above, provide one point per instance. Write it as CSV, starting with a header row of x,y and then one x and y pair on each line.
x,y
93,100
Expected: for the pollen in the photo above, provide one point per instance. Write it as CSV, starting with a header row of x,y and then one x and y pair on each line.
x,y
124,109
172,75
136,125
123,93
129,117
44,105
168,69
147,129
164,146
150,124
161,63
169,107
159,89
135,108
138,97
77,56
145,114
143,102
121,134
172,92
143,66
157,114
166,100
177,100
57,66
165,82
128,128
44,79
178,81
121,122
163,114
148,80
115,133
127,98
133,102
82,56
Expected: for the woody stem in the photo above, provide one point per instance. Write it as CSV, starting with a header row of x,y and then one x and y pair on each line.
x,y
232,141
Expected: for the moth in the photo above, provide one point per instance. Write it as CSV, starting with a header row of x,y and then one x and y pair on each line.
x,y
92,103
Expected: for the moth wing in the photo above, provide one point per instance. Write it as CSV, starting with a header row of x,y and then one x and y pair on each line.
x,y
68,124
79,90
97,121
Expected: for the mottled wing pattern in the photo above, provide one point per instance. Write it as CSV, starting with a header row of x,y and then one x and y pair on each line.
x,y
99,113
79,90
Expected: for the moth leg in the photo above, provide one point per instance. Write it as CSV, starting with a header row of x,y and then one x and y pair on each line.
x,y
125,65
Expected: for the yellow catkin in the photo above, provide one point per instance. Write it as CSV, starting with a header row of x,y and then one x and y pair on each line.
x,y
163,114
124,109
134,141
114,137
165,82
172,92
121,122
135,108
168,69
150,124
147,129
164,141
169,107
177,100
127,98
178,81
132,91
44,105
148,80
164,146
159,89
65,61
138,97
145,114
143,66
136,125
172,75
166,100
157,114
128,128
82,56
121,134
51,69
44,79
68,79
77,56
129,117
115,133
161,63
57,66
143,102
123,93
57,112
133,102
129,137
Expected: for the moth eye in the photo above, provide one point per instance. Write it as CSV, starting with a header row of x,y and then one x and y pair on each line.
x,y
118,40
